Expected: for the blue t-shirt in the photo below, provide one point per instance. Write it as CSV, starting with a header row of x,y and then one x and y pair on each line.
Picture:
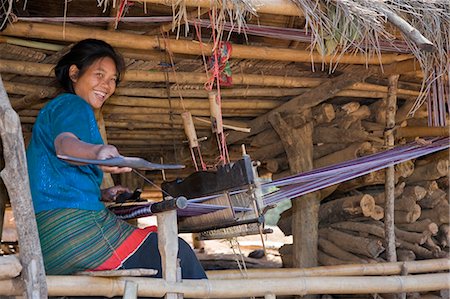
x,y
54,183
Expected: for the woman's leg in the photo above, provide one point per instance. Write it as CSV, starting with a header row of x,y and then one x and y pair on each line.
x,y
147,256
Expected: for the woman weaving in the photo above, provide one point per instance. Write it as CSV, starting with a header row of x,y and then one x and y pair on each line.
x,y
76,231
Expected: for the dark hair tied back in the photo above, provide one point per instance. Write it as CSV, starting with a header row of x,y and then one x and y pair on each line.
x,y
83,54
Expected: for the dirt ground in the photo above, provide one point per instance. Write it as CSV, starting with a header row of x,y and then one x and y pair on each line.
x,y
222,253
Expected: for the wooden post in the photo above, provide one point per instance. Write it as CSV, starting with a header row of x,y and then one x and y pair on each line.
x,y
15,177
131,290
305,217
391,255
168,247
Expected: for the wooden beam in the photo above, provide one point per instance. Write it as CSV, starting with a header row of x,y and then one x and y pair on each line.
x,y
15,177
136,41
305,220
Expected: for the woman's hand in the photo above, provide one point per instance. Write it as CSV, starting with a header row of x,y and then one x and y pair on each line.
x,y
109,151
110,194
68,144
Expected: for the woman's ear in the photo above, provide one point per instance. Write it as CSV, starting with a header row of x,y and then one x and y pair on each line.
x,y
73,73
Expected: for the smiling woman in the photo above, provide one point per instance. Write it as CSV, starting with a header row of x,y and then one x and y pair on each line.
x,y
76,231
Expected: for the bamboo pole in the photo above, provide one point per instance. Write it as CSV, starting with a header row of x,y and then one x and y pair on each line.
x,y
152,287
187,104
275,7
46,70
389,228
414,267
136,41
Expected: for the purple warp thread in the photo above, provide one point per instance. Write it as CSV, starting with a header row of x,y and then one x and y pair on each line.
x,y
309,181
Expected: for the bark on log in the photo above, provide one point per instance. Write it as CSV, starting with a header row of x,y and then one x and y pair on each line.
x,y
347,207
376,230
359,245
335,251
412,237
336,135
420,226
352,152
403,169
439,214
417,249
323,149
305,218
443,235
429,172
328,260
408,216
415,192
433,198
404,255
380,197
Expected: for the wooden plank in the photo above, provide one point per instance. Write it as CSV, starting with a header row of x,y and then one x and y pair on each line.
x,y
15,177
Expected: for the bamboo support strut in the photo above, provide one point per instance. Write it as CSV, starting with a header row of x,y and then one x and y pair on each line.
x,y
152,287
414,267
142,42
46,70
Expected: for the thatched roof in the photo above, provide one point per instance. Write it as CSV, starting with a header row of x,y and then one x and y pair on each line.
x,y
280,50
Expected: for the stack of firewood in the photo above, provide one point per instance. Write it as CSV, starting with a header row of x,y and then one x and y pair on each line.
x,y
351,228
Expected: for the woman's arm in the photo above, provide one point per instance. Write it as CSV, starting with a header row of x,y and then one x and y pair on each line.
x,y
68,144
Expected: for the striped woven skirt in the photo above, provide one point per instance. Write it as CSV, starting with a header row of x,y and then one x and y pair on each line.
x,y
75,240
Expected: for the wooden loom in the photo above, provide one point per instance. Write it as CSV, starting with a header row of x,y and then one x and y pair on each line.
x,y
234,185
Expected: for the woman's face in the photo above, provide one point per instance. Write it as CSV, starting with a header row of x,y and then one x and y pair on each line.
x,y
97,83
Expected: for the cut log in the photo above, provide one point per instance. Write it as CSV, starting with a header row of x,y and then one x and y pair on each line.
x,y
335,135
408,216
335,251
439,214
404,255
419,226
412,237
368,228
443,235
269,151
417,249
433,198
435,249
444,183
380,197
416,192
346,208
276,164
324,149
348,108
403,169
354,151
378,111
328,260
359,245
429,172
261,139
405,203
346,121
323,113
